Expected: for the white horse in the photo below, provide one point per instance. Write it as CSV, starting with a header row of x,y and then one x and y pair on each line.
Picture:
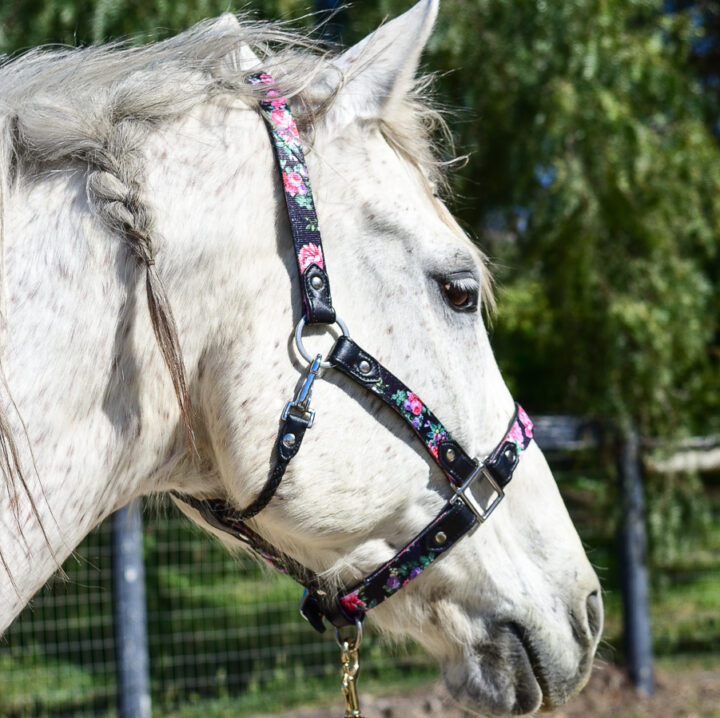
x,y
136,178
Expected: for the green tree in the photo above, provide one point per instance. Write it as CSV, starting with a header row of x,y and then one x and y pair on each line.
x,y
27,23
593,182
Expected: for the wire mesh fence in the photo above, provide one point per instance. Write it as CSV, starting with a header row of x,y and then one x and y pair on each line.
x,y
58,656
226,632
219,627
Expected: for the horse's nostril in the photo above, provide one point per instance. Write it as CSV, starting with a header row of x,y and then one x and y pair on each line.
x,y
594,609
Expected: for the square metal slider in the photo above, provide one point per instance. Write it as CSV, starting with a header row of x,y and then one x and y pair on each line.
x,y
462,493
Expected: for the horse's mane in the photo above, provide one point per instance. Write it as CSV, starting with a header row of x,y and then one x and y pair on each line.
x,y
59,105
93,108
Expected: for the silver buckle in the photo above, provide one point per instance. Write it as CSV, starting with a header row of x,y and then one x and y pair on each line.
x,y
469,500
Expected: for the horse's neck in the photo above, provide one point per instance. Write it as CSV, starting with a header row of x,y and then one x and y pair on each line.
x,y
96,420
73,383
213,182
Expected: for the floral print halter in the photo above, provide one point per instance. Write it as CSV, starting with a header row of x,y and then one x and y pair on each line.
x,y
459,515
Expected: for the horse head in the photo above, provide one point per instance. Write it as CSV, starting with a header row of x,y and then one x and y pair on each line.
x,y
171,154
513,611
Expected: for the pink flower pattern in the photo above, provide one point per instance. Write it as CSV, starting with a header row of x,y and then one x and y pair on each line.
x,y
294,183
524,419
284,122
515,434
352,603
310,254
413,404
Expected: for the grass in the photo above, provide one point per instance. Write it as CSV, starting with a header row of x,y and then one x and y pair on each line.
x,y
33,680
285,695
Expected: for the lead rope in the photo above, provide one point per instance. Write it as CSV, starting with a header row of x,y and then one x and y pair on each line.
x,y
350,660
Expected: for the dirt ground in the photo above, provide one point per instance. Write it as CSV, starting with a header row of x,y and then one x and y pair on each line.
x,y
680,694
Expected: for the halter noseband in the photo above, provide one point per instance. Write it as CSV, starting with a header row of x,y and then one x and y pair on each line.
x,y
460,514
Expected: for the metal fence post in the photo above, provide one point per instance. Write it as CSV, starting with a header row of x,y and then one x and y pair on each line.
x,y
130,619
633,565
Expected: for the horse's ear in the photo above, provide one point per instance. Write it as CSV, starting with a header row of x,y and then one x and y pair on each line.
x,y
245,59
382,67
241,59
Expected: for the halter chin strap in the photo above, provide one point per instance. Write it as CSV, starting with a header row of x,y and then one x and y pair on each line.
x,y
461,513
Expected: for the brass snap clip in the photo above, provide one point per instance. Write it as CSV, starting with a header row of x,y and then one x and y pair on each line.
x,y
350,669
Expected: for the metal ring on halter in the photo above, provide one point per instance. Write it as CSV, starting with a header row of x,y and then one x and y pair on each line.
x,y
358,637
301,347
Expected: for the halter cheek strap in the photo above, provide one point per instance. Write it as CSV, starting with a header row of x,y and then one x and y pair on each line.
x,y
314,283
460,514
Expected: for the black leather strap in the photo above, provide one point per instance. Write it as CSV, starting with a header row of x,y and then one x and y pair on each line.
x,y
218,514
290,436
348,357
297,190
317,299
439,536
461,467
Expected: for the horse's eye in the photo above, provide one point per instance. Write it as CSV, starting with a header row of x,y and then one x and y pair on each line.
x,y
461,293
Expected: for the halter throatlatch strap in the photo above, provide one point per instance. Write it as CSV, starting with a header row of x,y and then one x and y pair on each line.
x,y
218,514
477,485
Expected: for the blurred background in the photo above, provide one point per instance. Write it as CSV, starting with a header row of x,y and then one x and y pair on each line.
x,y
593,183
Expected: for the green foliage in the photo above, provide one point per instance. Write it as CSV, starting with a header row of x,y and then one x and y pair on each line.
x,y
593,183
26,23
678,511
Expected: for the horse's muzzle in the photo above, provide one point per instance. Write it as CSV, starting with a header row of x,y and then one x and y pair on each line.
x,y
518,670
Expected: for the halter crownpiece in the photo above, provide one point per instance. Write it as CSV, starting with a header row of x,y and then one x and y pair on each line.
x,y
459,515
